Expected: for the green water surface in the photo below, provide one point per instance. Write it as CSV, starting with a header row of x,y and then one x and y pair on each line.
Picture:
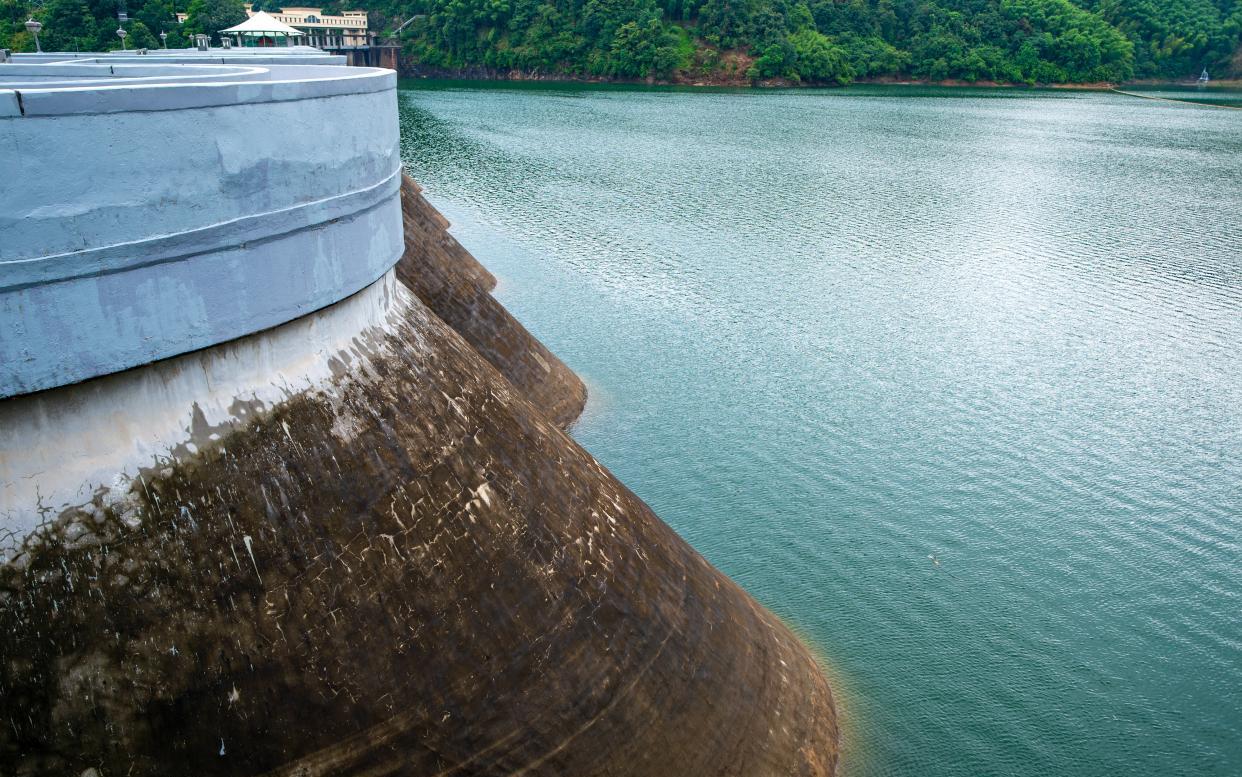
x,y
949,379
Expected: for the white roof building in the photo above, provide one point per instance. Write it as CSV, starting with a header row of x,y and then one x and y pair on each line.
x,y
349,29
261,27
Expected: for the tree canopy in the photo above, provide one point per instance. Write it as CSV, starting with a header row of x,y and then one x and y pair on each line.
x,y
827,41
91,25
814,41
211,16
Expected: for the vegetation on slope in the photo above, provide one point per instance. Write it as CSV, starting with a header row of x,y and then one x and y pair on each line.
x,y
827,41
816,41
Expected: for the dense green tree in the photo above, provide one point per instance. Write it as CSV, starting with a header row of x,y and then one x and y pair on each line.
x,y
90,25
817,59
729,23
639,51
161,16
1176,37
211,16
872,55
819,41
13,15
139,37
68,26
829,41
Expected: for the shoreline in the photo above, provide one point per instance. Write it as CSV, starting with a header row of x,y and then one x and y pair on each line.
x,y
715,82
1185,101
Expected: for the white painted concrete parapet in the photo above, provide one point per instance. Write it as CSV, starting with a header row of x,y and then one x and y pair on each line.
x,y
305,55
148,210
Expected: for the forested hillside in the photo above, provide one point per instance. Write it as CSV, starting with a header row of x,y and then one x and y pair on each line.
x,y
828,41
815,41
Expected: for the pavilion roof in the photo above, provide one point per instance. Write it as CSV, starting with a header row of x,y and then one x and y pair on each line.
x,y
263,22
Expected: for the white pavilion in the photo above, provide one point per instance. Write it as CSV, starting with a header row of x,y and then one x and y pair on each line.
x,y
262,29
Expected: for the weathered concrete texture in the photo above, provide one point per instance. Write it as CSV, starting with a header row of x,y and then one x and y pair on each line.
x,y
457,288
84,445
244,220
444,255
406,570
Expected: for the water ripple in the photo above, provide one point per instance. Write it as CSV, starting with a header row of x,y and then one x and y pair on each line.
x,y
950,379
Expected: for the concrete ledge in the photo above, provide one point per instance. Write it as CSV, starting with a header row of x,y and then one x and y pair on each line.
x,y
296,83
77,75
97,69
238,232
306,55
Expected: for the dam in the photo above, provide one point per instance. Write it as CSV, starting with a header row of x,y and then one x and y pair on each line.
x,y
285,491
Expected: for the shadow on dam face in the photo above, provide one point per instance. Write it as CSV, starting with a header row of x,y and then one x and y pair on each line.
x,y
408,570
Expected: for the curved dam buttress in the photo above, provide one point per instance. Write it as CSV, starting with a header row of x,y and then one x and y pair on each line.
x,y
355,542
454,285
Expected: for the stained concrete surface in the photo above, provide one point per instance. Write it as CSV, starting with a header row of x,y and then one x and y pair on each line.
x,y
408,569
457,288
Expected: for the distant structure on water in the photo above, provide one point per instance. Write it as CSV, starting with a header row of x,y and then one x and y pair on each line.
x,y
1203,77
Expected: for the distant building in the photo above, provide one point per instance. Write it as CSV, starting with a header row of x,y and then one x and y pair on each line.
x,y
349,30
348,34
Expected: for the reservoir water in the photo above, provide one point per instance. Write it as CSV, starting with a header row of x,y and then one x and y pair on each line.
x,y
949,379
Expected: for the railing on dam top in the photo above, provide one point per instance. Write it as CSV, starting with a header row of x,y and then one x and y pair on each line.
x,y
152,209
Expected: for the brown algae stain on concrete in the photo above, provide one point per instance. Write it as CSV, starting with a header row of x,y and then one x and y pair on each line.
x,y
409,569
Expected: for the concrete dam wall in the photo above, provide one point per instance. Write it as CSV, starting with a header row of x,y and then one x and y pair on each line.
x,y
356,541
127,261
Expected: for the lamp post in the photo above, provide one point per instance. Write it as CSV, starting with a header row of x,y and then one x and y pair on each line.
x,y
33,28
121,33
164,39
